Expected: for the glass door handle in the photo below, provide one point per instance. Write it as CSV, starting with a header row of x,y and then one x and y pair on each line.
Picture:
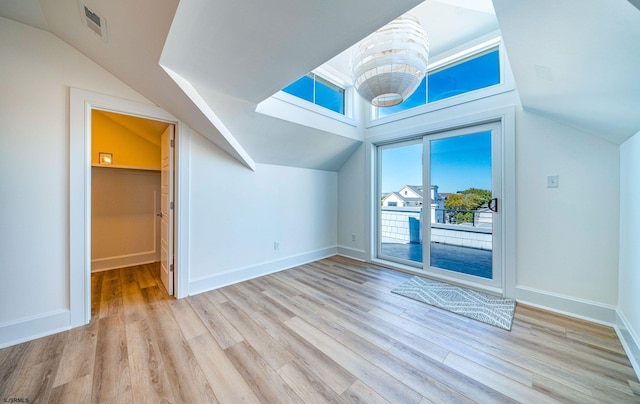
x,y
493,205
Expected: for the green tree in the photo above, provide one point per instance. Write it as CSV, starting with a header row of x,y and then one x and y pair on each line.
x,y
462,203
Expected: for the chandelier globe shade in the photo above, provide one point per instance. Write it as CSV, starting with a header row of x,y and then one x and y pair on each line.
x,y
389,65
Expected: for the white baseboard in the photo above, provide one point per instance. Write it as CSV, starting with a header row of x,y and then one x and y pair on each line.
x,y
356,254
242,274
31,328
629,340
567,305
105,264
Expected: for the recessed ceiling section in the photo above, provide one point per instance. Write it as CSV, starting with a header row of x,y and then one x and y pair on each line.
x,y
252,49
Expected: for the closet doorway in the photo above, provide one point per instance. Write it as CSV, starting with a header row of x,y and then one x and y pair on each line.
x,y
132,183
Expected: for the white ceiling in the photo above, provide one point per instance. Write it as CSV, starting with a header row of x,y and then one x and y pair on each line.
x,y
573,61
576,61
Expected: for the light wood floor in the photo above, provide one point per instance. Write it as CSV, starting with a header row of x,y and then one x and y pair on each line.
x,y
329,331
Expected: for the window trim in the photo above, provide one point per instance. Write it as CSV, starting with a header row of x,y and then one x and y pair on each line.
x,y
347,94
311,107
506,84
504,114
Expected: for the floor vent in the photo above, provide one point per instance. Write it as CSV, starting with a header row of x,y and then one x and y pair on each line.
x,y
93,20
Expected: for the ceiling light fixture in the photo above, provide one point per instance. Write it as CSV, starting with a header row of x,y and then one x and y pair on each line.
x,y
388,65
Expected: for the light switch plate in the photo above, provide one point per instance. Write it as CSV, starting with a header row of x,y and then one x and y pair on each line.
x,y
553,181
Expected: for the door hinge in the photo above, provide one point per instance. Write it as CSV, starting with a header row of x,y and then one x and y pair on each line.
x,y
171,205
173,143
171,268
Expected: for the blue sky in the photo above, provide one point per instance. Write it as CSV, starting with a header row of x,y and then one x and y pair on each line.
x,y
457,163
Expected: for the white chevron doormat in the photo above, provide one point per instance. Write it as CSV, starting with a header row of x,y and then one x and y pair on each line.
x,y
493,310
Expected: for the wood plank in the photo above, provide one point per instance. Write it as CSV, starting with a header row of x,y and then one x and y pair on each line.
x,y
11,362
78,357
442,346
446,376
35,383
148,377
215,296
190,324
145,276
262,378
360,393
224,378
307,385
421,382
129,280
224,333
336,377
96,288
111,370
111,295
75,391
539,360
496,381
388,387
272,352
604,394
135,306
559,391
46,348
186,378
250,297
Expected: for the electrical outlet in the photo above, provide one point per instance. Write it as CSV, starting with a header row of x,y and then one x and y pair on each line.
x,y
353,237
276,246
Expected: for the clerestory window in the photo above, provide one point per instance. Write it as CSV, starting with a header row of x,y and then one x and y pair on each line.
x,y
472,73
319,91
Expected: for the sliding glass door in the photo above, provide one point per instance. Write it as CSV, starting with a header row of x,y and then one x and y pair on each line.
x,y
440,201
400,216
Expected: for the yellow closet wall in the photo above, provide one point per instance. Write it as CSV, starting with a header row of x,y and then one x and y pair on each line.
x,y
128,148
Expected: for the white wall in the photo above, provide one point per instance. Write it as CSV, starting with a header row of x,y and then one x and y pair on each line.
x,y
237,215
352,204
629,289
36,71
566,238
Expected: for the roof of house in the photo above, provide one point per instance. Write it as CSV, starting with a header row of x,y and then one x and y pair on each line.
x,y
415,188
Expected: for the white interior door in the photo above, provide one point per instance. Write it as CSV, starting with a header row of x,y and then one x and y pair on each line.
x,y
166,217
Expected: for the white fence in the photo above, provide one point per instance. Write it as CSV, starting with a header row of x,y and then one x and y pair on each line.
x,y
403,225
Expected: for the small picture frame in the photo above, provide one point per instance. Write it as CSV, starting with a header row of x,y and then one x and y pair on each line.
x,y
105,158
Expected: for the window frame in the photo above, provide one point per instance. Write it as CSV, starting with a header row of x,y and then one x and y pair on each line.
x,y
506,84
319,77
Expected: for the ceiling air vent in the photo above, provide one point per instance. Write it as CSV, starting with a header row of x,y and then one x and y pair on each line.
x,y
95,21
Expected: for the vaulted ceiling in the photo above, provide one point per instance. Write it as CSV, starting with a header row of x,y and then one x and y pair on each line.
x,y
210,62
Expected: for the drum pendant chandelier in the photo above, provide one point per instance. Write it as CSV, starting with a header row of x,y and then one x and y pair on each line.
x,y
388,65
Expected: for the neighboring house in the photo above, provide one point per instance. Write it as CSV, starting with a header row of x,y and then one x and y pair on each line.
x,y
410,196
395,199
